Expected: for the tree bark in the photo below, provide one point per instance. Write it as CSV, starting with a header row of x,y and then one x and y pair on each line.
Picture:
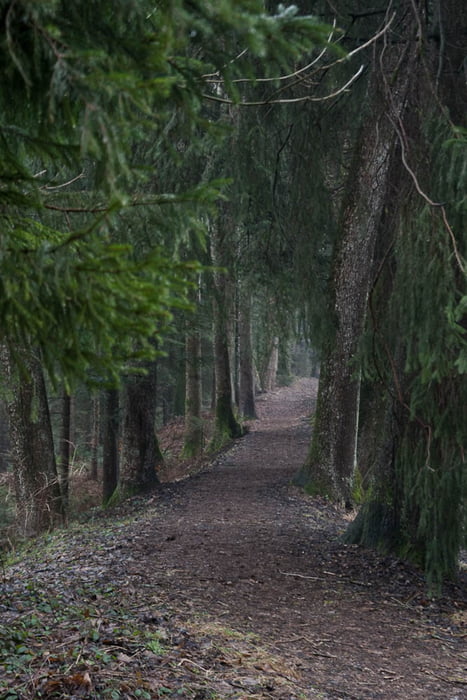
x,y
269,378
110,430
95,434
330,465
247,404
65,442
39,501
416,508
227,426
194,434
4,438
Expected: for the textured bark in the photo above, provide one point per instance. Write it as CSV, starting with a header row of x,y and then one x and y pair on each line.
x,y
140,455
247,404
331,462
110,427
38,498
4,439
416,511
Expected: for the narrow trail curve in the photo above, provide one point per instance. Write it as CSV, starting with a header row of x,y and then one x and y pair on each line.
x,y
240,545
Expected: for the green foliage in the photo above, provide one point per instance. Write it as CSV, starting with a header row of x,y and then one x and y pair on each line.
x,y
86,88
91,296
418,345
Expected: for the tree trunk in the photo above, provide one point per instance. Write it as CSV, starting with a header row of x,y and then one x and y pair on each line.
x,y
330,465
39,502
194,435
4,439
95,435
247,404
141,455
269,379
227,426
65,442
416,507
110,429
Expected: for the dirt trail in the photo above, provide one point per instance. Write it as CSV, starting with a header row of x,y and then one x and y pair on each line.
x,y
246,547
248,587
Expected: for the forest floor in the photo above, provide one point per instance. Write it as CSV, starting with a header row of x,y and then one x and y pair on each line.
x,y
227,584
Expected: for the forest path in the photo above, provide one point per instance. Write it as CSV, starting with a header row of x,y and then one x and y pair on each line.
x,y
229,584
238,545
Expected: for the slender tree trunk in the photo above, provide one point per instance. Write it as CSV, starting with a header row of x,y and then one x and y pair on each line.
x,y
39,501
95,434
141,455
227,426
110,444
331,461
270,375
4,439
65,442
194,435
247,383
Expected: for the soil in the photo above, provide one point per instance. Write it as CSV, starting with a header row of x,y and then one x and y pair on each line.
x,y
243,586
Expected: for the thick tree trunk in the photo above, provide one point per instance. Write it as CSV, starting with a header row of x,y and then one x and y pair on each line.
x,y
110,429
331,461
39,502
247,403
140,455
416,504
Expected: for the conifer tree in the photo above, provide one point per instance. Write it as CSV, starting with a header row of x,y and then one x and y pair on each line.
x,y
410,341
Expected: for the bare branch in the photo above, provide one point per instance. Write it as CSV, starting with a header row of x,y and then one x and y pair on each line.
x,y
64,184
423,195
291,100
282,77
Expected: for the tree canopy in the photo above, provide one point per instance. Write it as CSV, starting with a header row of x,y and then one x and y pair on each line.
x,y
84,84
